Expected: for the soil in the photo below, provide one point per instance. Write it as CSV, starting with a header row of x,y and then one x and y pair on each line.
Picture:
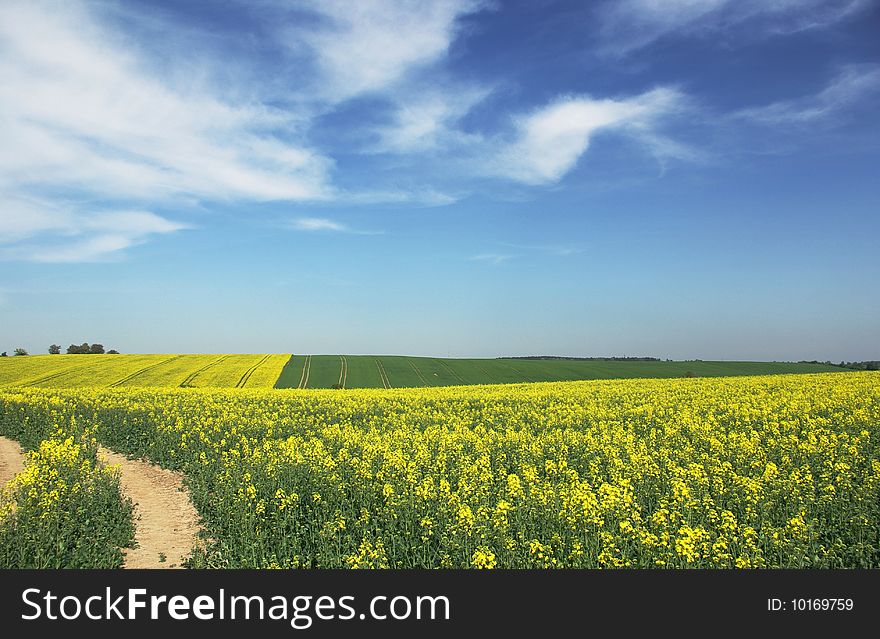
x,y
11,460
166,522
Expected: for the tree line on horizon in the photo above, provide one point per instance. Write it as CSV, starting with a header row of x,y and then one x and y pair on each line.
x,y
868,365
82,349
584,359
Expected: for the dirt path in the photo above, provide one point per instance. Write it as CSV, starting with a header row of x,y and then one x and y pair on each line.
x,y
166,521
11,460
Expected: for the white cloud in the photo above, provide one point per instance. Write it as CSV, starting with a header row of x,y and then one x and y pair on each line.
x,y
92,249
371,45
559,250
492,258
324,224
851,85
85,118
55,233
83,112
417,196
628,25
89,116
549,141
317,224
427,121
387,51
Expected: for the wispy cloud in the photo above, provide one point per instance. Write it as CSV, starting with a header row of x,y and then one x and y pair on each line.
x,y
317,224
83,112
492,258
525,251
371,45
89,116
325,224
101,132
426,197
86,118
559,250
391,52
425,121
64,234
549,141
628,25
851,86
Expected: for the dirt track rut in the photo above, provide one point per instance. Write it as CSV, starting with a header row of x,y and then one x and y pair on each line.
x,y
166,522
11,460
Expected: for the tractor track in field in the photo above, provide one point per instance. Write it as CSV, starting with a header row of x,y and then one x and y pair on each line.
x,y
418,373
11,460
383,375
304,378
46,378
166,522
247,374
191,377
521,374
343,371
491,379
451,372
128,378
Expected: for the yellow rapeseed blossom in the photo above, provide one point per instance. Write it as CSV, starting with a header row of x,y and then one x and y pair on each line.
x,y
772,471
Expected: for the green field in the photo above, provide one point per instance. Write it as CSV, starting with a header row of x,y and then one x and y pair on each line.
x,y
378,371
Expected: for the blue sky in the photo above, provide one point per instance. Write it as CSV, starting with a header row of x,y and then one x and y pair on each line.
x,y
681,179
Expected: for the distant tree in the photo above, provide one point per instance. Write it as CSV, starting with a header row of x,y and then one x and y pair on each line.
x,y
73,349
54,349
4,354
96,349
19,351
113,352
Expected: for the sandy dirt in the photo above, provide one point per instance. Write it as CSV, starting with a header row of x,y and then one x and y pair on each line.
x,y
166,522
11,460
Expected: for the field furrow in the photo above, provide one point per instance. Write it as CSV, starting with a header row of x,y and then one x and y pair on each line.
x,y
304,378
143,377
242,382
324,371
267,374
188,380
418,373
382,375
343,372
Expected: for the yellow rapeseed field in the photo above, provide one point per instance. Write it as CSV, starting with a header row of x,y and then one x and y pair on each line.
x,y
76,371
775,471
65,509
